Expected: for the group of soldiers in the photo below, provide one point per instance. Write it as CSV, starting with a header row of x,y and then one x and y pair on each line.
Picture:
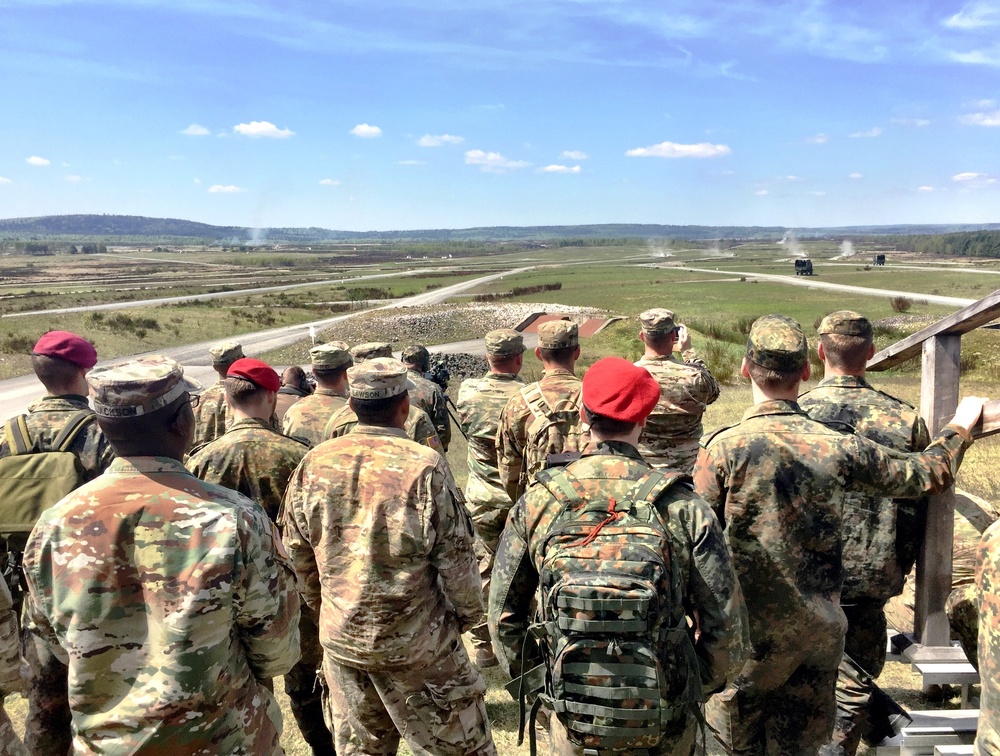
x,y
641,582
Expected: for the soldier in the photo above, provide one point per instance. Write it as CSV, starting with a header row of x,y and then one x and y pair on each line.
x,y
210,416
480,402
370,349
776,482
687,387
383,548
697,647
168,601
544,416
307,419
425,393
988,583
880,535
294,385
10,672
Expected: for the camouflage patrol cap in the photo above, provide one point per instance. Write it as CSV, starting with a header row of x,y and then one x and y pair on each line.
x,y
504,342
415,355
225,353
371,349
846,323
777,343
657,320
558,334
378,378
330,356
138,387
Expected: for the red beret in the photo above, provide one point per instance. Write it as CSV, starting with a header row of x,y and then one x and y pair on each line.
x,y
617,389
255,371
67,346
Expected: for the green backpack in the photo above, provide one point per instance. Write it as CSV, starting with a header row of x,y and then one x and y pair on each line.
x,y
32,480
621,672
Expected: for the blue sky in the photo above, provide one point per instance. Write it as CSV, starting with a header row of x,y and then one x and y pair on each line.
x,y
399,114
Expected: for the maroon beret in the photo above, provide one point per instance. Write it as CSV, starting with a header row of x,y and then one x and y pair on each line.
x,y
617,389
255,371
67,346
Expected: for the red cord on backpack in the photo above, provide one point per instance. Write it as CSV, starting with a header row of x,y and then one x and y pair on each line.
x,y
612,516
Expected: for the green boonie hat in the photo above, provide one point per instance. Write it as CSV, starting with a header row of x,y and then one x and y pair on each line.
x,y
777,343
138,387
226,353
504,342
378,378
415,354
330,356
657,320
558,334
846,323
371,349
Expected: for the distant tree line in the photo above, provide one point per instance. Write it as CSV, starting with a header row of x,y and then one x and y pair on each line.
x,y
965,244
50,248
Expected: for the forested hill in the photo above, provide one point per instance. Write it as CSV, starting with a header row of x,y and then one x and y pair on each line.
x,y
137,228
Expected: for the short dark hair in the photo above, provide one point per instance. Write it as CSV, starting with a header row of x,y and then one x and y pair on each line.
x,y
502,360
56,374
607,426
377,411
240,391
773,380
293,376
328,373
659,340
845,352
561,356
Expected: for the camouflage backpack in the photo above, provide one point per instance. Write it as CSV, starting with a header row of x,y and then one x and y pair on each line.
x,y
552,431
621,672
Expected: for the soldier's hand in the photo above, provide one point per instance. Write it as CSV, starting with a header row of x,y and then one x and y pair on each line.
x,y
968,412
683,338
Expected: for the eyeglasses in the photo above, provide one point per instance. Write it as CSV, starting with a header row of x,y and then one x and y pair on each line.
x,y
194,400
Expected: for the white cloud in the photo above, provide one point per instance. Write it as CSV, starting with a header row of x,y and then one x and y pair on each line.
x,y
818,194
493,162
329,182
870,134
197,181
429,140
982,104
855,175
573,155
978,57
65,165
762,192
790,178
818,139
412,162
74,179
968,176
195,129
225,189
560,169
918,122
5,180
675,150
981,119
365,131
975,15
35,160
925,188
256,129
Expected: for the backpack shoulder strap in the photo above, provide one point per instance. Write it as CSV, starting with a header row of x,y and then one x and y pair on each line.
x,y
562,485
18,437
654,483
536,401
69,432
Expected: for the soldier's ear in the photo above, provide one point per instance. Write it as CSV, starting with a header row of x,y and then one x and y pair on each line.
x,y
871,351
822,352
806,372
744,370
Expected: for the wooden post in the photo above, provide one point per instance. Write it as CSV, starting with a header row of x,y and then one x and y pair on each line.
x,y
938,399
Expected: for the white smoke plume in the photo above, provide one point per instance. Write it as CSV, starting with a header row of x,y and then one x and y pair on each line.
x,y
792,243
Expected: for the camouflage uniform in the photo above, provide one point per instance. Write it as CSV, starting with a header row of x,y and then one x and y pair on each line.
x,y
250,458
480,402
776,482
670,439
430,398
10,672
880,539
419,427
308,417
382,546
288,396
211,415
988,583
712,597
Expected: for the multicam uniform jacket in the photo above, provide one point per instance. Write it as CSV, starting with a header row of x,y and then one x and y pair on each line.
x,y
480,402
777,483
673,428
168,601
251,458
988,583
512,433
430,398
287,397
210,415
418,427
711,591
880,535
307,418
382,546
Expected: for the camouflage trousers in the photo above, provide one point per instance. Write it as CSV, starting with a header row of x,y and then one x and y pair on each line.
x,y
10,744
489,524
865,645
437,704
795,718
305,691
963,616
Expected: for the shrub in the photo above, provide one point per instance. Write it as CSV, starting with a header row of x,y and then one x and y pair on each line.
x,y
901,304
722,361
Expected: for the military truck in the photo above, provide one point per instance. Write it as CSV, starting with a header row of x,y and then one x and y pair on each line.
x,y
878,260
803,267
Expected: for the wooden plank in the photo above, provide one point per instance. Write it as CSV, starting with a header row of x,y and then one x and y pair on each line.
x,y
954,750
989,423
917,654
978,512
938,398
947,674
967,319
